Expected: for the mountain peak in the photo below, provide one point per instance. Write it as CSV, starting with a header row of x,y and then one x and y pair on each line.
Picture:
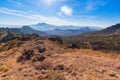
x,y
26,27
42,24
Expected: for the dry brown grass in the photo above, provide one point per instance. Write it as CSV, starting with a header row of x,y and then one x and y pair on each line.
x,y
9,45
79,64
4,68
52,75
113,55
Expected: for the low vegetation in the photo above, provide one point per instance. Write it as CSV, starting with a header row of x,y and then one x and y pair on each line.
x,y
100,43
53,75
10,44
107,40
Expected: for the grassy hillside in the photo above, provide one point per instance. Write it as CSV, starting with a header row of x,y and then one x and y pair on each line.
x,y
107,39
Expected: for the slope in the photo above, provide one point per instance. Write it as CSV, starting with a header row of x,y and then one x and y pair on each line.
x,y
106,39
43,59
23,30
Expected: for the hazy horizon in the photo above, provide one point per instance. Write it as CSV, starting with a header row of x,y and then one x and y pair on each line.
x,y
98,13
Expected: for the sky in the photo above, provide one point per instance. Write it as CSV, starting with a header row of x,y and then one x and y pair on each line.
x,y
99,13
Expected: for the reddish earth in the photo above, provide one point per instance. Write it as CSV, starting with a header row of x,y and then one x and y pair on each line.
x,y
51,61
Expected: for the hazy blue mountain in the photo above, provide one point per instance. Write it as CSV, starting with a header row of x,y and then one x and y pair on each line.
x,y
43,28
47,27
69,32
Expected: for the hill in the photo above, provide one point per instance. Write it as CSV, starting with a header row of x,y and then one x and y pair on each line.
x,y
106,39
23,30
111,30
47,59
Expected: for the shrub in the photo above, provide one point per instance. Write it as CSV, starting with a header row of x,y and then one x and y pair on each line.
x,y
56,38
26,55
41,49
10,44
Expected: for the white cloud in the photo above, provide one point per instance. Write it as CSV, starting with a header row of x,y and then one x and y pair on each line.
x,y
93,4
33,18
66,11
36,17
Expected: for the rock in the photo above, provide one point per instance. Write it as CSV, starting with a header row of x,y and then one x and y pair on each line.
x,y
27,55
36,73
73,46
112,75
25,75
41,49
118,67
4,75
59,67
39,58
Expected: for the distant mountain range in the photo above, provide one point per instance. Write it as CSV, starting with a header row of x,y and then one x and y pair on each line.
x,y
23,30
69,32
55,32
63,30
47,27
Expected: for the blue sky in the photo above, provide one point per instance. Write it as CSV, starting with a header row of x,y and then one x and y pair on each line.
x,y
100,13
